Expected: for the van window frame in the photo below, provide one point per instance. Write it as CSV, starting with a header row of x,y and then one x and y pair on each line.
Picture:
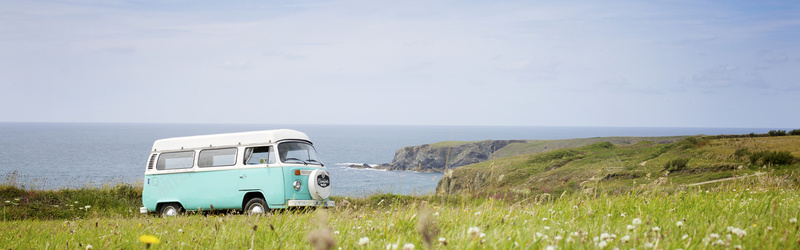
x,y
161,164
200,157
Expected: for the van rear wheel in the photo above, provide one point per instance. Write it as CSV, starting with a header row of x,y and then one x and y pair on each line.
x,y
255,206
170,209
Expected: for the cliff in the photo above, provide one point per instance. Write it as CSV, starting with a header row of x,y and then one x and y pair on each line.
x,y
433,157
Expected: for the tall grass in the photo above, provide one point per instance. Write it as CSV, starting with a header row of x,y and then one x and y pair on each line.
x,y
753,213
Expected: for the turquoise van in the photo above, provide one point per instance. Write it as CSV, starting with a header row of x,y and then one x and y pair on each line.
x,y
248,171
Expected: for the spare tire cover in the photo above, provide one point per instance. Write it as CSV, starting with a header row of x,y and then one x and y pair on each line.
x,y
319,184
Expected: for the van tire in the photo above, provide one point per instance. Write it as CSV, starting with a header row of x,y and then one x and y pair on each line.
x,y
255,206
170,209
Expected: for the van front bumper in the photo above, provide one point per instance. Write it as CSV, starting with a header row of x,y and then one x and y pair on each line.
x,y
310,203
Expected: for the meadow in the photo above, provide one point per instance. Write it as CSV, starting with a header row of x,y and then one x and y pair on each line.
x,y
600,196
753,213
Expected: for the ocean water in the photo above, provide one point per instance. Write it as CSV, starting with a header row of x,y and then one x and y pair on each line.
x,y
57,155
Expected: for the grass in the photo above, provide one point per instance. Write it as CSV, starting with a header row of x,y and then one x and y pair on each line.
x,y
599,196
714,217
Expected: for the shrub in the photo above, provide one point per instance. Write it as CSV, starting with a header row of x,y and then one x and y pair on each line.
x,y
794,132
676,164
777,132
742,152
771,157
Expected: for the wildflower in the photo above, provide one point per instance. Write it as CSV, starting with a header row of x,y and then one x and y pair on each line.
x,y
89,247
602,244
149,240
408,246
546,228
739,232
648,245
87,206
713,236
656,229
718,243
477,213
684,236
631,227
550,247
474,232
623,214
336,232
793,220
738,247
435,213
443,241
391,246
363,241
637,221
679,224
180,230
544,219
605,236
558,238
625,239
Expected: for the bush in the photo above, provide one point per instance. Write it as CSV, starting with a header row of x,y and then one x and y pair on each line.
x,y
676,164
794,132
777,132
771,157
742,152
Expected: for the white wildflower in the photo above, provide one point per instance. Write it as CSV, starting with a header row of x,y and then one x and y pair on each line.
x,y
558,238
738,247
623,214
625,239
477,213
89,247
605,236
631,227
363,241
657,229
648,245
474,231
442,240
793,220
602,244
718,243
544,219
335,232
679,224
713,236
546,228
637,221
685,236
739,232
391,246
551,247
408,246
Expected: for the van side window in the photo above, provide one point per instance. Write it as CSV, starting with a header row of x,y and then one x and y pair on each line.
x,y
175,160
217,157
259,155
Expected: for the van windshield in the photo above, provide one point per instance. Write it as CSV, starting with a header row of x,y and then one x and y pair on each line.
x,y
298,152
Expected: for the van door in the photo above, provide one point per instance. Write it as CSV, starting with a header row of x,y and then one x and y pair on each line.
x,y
262,174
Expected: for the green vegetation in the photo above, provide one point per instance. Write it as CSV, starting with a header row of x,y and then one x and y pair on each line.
x,y
599,196
445,144
777,132
622,167
753,213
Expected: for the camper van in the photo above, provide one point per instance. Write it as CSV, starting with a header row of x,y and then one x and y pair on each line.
x,y
248,171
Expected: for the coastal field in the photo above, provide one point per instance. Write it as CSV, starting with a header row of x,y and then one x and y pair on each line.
x,y
729,193
754,213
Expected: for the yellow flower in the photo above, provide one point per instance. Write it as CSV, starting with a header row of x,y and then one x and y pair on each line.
x,y
149,239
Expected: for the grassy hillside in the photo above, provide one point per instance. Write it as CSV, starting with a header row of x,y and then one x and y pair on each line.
x,y
613,167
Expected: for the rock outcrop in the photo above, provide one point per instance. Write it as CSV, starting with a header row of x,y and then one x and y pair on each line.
x,y
429,158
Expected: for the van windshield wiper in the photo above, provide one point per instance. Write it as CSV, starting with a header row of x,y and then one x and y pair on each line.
x,y
314,161
295,159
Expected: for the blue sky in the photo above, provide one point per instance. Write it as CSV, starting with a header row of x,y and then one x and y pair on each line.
x,y
526,63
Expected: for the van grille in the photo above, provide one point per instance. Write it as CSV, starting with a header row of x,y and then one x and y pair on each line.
x,y
152,161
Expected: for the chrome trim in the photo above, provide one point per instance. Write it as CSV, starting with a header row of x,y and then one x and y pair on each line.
x,y
313,203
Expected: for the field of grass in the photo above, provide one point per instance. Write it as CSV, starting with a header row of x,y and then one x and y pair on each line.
x,y
754,213
599,196
621,167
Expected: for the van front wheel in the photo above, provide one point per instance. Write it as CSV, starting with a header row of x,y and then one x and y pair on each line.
x,y
255,206
170,209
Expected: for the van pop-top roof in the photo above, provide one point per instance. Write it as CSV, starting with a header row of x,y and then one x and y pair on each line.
x,y
228,140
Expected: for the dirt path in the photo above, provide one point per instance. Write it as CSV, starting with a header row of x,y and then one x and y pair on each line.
x,y
723,179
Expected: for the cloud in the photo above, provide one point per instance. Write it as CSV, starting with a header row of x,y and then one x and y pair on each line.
x,y
120,49
727,76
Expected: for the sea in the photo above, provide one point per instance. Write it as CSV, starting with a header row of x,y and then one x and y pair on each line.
x,y
72,155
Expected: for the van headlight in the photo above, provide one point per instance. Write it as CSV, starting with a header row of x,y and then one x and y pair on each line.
x,y
297,185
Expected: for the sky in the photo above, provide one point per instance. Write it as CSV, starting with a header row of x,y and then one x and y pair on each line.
x,y
496,63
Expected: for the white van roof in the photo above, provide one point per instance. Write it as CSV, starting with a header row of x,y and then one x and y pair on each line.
x,y
228,140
